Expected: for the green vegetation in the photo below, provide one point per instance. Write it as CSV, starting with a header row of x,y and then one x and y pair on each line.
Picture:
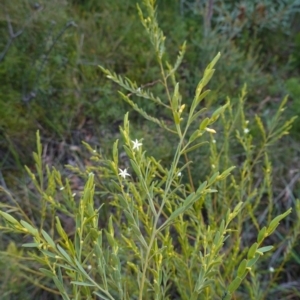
x,y
209,210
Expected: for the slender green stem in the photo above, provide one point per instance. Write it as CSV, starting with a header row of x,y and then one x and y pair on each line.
x,y
177,125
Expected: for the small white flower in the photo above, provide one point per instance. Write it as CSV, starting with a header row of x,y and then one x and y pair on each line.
x,y
89,267
246,130
74,194
214,141
179,174
271,270
62,188
124,173
136,144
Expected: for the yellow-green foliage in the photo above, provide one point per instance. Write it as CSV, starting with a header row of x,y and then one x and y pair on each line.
x,y
145,229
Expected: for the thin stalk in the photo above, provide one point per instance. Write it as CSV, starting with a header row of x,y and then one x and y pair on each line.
x,y
155,230
177,125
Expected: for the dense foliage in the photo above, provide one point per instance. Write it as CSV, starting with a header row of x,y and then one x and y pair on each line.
x,y
50,54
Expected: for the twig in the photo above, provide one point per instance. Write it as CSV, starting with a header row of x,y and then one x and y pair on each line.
x,y
32,94
69,24
12,35
286,190
4,187
208,15
146,85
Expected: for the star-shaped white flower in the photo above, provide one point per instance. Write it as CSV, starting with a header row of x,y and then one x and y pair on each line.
x,y
136,144
124,173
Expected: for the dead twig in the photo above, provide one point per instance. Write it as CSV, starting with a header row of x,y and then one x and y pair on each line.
x,y
13,35
146,85
33,93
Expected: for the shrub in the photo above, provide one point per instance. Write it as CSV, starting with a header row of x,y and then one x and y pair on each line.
x,y
144,229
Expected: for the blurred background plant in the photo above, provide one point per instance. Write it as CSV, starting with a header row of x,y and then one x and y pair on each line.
x,y
50,80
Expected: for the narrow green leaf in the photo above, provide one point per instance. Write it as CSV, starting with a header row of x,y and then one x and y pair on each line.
x,y
9,218
60,230
217,238
190,199
179,59
30,229
261,127
202,96
176,117
194,135
226,172
135,167
38,143
115,185
219,111
65,296
193,147
213,178
204,124
175,97
128,151
30,245
102,296
261,235
242,268
48,239
252,251
139,235
111,240
59,284
64,253
201,187
211,191
214,61
48,253
83,283
88,146
236,210
208,74
252,261
264,249
234,284
47,272
201,111
115,152
176,213
31,175
67,267
275,222
79,266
